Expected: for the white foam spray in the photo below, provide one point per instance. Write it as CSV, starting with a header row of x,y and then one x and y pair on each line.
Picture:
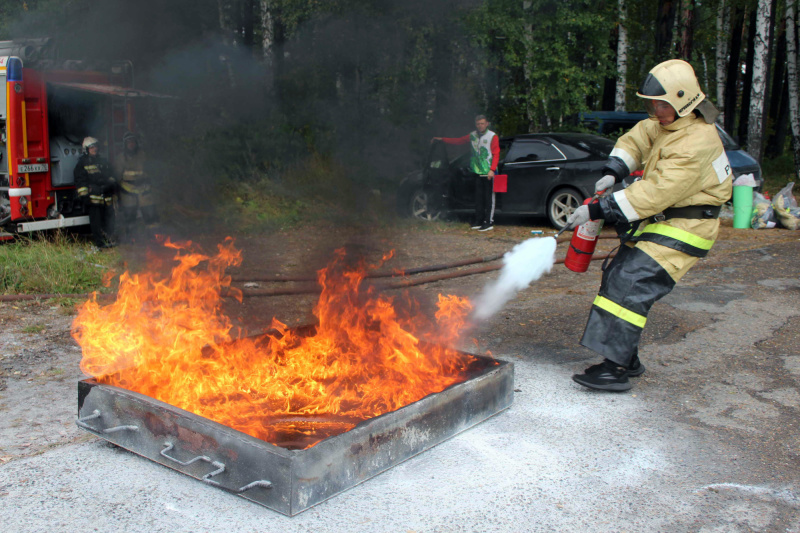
x,y
524,264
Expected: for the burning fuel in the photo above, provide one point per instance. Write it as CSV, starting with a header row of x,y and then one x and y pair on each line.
x,y
524,264
166,337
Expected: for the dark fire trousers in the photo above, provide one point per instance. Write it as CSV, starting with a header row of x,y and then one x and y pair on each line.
x,y
101,222
631,284
484,200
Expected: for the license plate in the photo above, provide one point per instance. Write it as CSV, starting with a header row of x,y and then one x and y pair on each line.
x,y
37,167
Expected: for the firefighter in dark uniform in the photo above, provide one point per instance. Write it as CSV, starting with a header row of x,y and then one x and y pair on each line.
x,y
96,187
135,194
667,220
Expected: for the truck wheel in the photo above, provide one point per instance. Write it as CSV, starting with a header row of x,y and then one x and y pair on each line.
x,y
561,205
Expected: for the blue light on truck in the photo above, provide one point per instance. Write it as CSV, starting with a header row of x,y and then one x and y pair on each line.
x,y
14,69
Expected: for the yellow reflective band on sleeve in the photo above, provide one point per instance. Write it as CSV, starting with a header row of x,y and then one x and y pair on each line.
x,y
679,235
620,312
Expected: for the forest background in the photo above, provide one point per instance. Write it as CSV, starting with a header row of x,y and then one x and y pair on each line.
x,y
287,105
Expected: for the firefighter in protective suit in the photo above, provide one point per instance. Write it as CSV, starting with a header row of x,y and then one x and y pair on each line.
x,y
667,220
135,193
96,188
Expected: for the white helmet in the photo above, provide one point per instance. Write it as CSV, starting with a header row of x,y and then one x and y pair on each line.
x,y
88,142
675,82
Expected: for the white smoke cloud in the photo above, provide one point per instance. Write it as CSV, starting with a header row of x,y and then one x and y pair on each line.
x,y
524,264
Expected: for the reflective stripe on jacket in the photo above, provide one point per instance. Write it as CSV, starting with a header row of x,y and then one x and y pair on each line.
x,y
684,164
130,167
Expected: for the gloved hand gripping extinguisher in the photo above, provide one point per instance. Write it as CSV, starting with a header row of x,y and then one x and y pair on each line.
x,y
584,241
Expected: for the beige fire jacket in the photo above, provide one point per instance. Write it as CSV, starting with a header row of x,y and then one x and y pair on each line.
x,y
684,164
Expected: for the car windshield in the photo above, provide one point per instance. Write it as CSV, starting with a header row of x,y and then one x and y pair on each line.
x,y
728,142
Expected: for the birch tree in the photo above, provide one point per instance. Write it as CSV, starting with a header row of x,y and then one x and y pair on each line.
x,y
723,31
267,31
794,95
622,57
528,65
755,126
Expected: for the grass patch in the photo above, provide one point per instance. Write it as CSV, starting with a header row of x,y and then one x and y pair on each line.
x,y
53,264
38,328
316,189
259,206
778,172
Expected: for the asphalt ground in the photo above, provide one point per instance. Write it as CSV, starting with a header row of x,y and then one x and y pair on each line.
x,y
707,440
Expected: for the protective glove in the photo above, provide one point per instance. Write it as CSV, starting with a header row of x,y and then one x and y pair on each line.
x,y
578,217
604,184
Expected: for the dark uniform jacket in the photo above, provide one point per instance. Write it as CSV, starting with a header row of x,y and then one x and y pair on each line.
x,y
94,178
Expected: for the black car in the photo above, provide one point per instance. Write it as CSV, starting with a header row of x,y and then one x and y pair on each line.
x,y
549,174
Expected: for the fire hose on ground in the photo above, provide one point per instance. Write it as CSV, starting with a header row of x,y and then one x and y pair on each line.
x,y
402,272
402,283
315,289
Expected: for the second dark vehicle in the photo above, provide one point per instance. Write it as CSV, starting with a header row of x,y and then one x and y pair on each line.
x,y
549,174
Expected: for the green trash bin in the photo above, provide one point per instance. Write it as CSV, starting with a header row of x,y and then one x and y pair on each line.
x,y
742,206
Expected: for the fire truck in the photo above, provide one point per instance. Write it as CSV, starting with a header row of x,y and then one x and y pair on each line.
x,y
48,107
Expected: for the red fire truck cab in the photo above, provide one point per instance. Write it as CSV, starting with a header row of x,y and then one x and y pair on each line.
x,y
45,112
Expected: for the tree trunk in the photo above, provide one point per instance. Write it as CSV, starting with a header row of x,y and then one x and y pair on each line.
x,y
687,29
731,93
224,7
665,20
723,30
622,58
610,83
530,108
777,100
794,94
747,83
768,90
755,129
248,22
777,140
267,32
224,12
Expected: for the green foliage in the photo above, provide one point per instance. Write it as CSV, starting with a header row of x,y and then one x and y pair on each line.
x,y
549,58
778,172
60,265
311,190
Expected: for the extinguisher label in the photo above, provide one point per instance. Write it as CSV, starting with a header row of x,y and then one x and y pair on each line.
x,y
589,230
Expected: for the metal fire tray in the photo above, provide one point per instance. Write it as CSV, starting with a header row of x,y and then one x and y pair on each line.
x,y
289,481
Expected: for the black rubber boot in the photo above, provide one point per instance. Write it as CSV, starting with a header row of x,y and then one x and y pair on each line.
x,y
635,367
607,376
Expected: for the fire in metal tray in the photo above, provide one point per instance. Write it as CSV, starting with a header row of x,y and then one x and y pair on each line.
x,y
166,337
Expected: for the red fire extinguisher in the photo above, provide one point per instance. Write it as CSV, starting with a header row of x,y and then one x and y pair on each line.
x,y
583,242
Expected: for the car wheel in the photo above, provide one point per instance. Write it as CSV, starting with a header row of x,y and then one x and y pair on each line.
x,y
562,204
419,205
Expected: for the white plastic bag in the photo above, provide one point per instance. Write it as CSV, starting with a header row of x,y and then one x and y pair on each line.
x,y
745,179
763,214
786,209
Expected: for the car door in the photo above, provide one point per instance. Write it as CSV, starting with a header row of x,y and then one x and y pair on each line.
x,y
532,166
437,177
463,183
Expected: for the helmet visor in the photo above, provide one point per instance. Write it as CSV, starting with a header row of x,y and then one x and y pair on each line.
x,y
660,109
652,87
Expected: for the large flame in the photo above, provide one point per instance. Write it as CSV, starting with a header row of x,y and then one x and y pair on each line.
x,y
166,336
